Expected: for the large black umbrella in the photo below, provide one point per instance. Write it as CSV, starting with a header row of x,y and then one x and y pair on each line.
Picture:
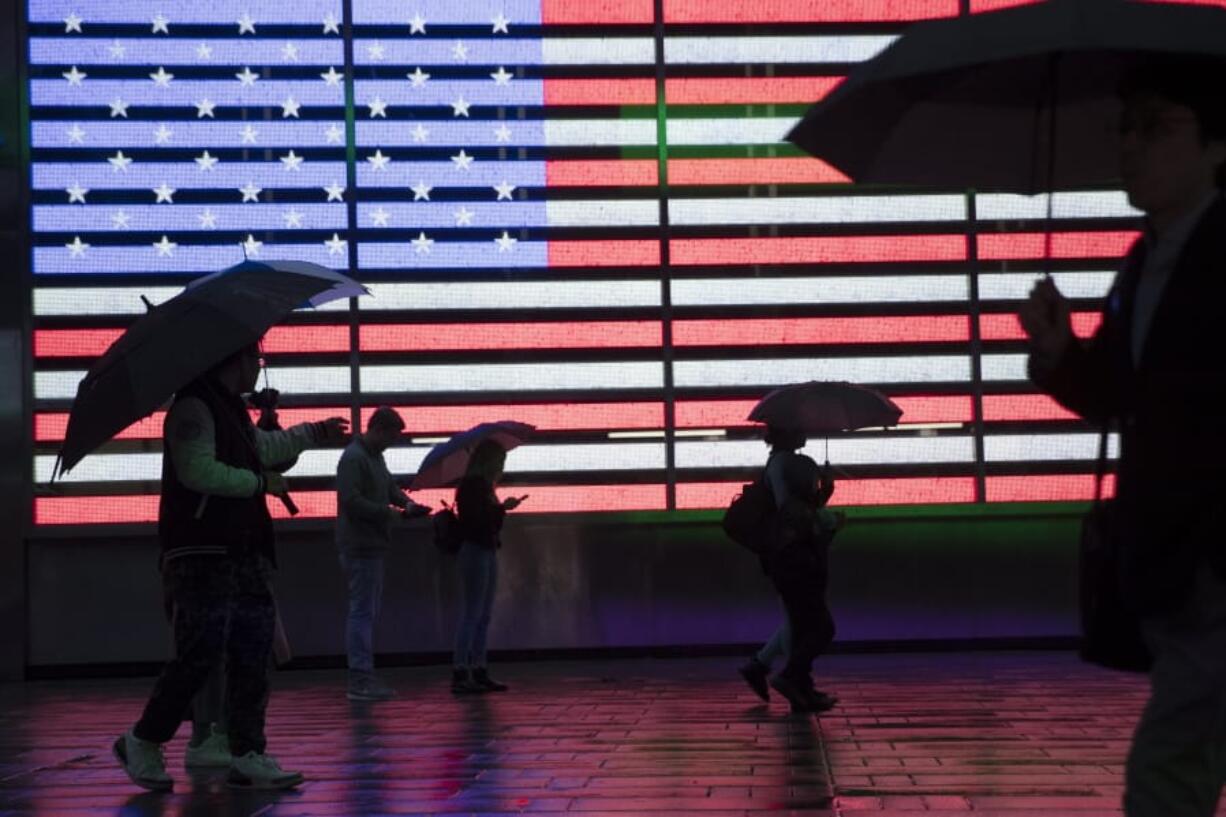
x,y
1020,100
177,341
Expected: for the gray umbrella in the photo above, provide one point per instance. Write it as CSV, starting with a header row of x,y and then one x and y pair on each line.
x,y
1021,100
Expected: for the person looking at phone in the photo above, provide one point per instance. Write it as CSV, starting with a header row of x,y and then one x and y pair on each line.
x,y
480,515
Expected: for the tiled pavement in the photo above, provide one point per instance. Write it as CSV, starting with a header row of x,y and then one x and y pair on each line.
x,y
1022,735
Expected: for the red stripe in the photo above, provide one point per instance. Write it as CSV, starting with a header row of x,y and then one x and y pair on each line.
x,y
607,12
97,510
906,491
733,413
1023,407
805,11
73,342
773,331
747,90
1016,246
604,253
818,250
453,336
1008,327
51,343
432,420
626,91
752,171
50,426
1049,488
602,173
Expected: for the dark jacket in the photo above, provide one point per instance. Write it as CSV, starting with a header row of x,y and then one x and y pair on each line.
x,y
1171,480
236,526
479,511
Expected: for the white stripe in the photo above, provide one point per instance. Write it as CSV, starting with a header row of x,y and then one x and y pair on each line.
x,y
1004,368
816,209
763,130
511,295
98,300
780,371
62,385
840,290
117,300
589,132
894,450
1015,286
598,51
627,212
733,49
1103,204
1044,447
512,377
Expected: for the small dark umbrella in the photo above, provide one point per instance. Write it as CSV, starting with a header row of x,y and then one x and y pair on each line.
x,y
823,407
181,339
1021,100
447,462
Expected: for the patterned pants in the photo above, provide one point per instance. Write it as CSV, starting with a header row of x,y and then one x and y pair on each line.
x,y
222,606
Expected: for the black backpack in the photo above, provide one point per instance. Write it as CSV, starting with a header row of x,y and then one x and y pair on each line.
x,y
446,524
750,518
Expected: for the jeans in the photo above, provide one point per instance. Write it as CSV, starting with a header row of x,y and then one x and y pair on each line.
x,y
478,584
779,645
223,607
1177,763
799,575
365,577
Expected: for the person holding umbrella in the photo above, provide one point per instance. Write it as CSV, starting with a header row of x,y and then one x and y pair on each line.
x,y
1154,368
480,514
784,444
801,528
217,558
201,348
473,461
368,503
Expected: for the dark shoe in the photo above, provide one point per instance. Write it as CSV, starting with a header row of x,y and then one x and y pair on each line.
x,y
755,673
798,692
482,678
463,684
821,701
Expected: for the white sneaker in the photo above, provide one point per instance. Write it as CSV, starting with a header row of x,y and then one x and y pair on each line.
x,y
256,771
213,752
144,762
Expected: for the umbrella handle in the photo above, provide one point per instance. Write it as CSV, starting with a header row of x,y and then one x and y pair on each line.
x,y
288,503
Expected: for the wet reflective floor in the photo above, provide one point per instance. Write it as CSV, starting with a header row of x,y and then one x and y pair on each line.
x,y
1017,734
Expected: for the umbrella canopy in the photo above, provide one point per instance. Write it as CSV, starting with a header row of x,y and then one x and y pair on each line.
x,y
181,339
447,462
819,407
1020,100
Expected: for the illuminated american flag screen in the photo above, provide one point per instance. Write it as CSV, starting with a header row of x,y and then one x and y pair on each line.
x,y
580,215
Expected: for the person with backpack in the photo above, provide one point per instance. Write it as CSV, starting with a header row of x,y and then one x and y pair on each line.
x,y
480,515
793,538
368,502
